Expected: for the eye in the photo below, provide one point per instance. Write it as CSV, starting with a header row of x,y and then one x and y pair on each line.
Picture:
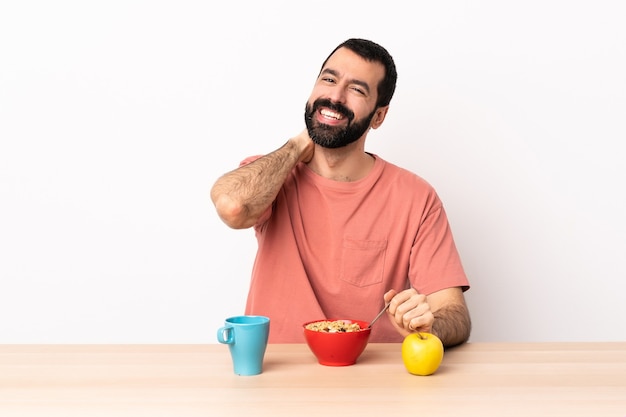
x,y
358,90
328,80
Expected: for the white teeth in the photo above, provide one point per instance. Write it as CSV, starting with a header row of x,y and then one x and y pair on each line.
x,y
332,114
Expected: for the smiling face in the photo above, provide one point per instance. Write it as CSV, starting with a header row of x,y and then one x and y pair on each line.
x,y
342,105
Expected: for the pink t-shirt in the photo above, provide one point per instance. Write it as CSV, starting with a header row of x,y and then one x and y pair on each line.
x,y
330,250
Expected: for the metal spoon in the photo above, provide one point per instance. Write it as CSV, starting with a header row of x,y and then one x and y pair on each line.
x,y
378,316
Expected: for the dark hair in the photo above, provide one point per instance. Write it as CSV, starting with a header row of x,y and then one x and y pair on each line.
x,y
373,52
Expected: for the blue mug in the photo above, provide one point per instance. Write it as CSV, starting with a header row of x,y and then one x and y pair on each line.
x,y
246,337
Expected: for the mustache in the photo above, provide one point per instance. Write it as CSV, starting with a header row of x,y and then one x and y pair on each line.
x,y
336,107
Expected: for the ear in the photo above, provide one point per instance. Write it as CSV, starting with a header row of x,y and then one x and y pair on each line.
x,y
379,117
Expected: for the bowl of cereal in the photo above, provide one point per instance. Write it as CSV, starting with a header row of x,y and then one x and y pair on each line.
x,y
337,342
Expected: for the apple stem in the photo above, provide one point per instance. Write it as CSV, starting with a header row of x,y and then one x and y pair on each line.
x,y
420,335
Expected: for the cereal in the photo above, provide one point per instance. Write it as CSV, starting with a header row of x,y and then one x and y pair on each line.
x,y
336,326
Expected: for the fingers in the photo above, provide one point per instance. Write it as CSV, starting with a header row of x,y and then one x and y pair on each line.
x,y
410,310
389,295
422,323
306,146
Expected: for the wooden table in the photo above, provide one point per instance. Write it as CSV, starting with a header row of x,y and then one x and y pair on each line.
x,y
477,379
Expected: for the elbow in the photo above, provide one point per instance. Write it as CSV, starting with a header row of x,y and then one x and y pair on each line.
x,y
461,339
231,212
463,335
450,341
453,325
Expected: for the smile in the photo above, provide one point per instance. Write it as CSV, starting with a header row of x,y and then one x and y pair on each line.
x,y
331,114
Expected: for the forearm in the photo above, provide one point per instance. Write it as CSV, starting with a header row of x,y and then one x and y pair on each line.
x,y
452,324
243,194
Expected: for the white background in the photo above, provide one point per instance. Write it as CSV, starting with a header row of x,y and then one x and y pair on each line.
x,y
116,117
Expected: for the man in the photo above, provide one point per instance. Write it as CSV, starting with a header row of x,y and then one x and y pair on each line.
x,y
340,231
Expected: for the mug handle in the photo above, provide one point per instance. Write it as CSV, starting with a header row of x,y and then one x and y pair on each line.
x,y
230,335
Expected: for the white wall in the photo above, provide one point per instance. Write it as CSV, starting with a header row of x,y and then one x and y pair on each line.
x,y
117,116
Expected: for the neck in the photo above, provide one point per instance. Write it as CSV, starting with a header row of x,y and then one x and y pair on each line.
x,y
350,163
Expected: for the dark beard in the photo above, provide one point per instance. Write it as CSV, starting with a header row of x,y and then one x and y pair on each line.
x,y
332,136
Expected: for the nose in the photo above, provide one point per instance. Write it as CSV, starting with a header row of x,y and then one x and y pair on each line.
x,y
337,94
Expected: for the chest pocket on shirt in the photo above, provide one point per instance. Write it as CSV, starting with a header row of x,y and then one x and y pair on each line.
x,y
362,261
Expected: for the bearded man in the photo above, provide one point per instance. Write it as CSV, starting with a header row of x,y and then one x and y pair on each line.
x,y
341,231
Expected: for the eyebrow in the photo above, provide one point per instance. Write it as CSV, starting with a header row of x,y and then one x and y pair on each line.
x,y
353,81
